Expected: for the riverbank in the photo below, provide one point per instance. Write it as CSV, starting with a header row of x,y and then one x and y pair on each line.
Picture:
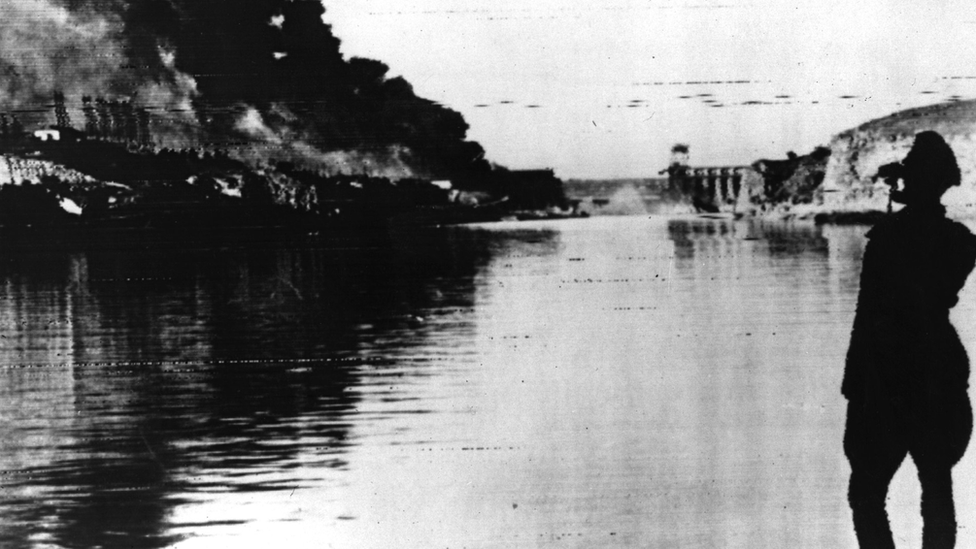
x,y
87,186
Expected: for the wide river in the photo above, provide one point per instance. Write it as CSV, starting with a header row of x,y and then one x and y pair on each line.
x,y
603,382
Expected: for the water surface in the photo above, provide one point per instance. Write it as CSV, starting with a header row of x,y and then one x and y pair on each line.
x,y
611,382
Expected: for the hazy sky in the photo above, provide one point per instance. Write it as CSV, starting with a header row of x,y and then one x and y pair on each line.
x,y
603,89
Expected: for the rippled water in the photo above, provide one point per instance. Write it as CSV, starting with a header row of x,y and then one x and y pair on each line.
x,y
611,382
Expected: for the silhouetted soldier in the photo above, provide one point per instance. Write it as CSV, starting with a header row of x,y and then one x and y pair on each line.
x,y
907,373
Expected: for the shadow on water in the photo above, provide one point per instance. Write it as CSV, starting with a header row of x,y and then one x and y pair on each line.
x,y
131,381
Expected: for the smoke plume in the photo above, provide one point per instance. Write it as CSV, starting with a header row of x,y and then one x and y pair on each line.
x,y
47,48
265,78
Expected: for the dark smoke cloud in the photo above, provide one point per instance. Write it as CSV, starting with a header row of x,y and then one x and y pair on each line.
x,y
46,47
263,71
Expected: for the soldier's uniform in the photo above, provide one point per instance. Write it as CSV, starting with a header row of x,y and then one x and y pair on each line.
x,y
907,374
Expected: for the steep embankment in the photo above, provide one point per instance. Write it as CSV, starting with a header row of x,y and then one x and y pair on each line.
x,y
856,155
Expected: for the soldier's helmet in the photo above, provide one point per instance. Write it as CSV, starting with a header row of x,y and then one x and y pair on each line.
x,y
930,168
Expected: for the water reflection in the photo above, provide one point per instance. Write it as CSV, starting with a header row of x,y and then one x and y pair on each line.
x,y
759,306
591,383
708,237
647,382
135,383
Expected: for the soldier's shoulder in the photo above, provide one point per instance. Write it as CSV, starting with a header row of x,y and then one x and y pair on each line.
x,y
958,231
884,228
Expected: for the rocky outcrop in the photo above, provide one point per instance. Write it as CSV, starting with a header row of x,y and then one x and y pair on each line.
x,y
837,183
856,154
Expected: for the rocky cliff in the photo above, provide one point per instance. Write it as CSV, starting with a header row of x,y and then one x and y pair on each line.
x,y
856,155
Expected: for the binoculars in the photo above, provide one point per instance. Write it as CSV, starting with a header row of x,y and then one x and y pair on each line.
x,y
890,173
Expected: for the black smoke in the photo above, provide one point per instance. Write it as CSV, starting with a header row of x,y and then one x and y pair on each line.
x,y
226,72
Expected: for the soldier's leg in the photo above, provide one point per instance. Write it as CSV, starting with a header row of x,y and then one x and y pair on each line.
x,y
940,441
938,510
875,447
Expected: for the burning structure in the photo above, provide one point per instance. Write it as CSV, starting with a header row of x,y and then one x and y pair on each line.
x,y
241,99
263,79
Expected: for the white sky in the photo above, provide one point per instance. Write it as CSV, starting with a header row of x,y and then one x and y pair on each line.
x,y
601,89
